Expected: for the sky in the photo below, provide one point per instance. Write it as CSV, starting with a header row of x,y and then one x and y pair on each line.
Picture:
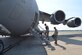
x,y
72,8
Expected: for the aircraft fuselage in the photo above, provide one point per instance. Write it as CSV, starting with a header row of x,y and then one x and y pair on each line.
x,y
18,16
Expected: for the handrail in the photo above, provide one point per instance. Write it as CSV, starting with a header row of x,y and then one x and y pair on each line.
x,y
41,27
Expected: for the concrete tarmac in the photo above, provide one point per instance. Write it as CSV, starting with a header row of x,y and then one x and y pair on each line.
x,y
69,43
30,46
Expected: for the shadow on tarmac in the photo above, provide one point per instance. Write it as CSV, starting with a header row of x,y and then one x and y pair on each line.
x,y
52,47
61,46
67,39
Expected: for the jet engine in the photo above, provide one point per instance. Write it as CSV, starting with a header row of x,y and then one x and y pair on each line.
x,y
57,17
74,22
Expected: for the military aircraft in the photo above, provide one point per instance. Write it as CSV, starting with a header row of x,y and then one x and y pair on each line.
x,y
19,17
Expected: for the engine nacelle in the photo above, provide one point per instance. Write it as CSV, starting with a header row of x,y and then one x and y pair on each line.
x,y
58,17
74,22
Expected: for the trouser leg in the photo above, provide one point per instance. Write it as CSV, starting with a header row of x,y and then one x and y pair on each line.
x,y
55,41
47,34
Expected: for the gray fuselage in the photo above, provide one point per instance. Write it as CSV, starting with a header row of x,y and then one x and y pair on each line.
x,y
18,16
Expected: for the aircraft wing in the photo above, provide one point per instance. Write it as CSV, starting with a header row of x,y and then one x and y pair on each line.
x,y
59,17
44,16
55,18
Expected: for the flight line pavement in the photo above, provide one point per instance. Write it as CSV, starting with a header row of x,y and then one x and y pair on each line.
x,y
68,44
30,46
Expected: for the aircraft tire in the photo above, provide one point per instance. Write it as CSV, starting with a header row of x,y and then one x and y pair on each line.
x,y
1,46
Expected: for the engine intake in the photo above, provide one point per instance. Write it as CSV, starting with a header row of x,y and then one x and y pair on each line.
x,y
75,22
58,17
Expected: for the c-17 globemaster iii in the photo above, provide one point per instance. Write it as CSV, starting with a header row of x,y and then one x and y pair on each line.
x,y
19,17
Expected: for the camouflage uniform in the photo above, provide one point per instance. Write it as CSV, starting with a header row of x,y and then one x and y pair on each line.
x,y
55,35
47,32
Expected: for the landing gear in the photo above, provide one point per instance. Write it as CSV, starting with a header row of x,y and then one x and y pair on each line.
x,y
1,46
